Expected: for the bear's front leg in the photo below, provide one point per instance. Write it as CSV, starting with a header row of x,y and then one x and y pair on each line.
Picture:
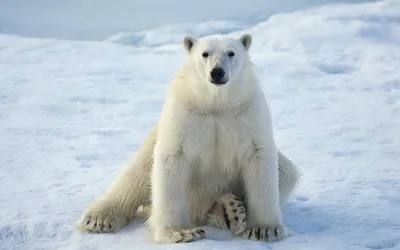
x,y
169,220
264,218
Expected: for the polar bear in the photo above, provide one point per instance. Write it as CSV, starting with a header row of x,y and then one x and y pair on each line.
x,y
211,158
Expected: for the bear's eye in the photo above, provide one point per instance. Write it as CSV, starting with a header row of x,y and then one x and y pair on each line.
x,y
231,54
205,54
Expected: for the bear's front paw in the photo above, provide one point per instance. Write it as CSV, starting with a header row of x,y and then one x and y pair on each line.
x,y
101,221
268,234
182,235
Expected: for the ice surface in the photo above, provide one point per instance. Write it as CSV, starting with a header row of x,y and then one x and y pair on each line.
x,y
72,112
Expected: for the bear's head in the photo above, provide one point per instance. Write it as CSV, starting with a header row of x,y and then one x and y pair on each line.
x,y
218,59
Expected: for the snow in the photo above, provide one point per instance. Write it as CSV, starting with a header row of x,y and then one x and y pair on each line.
x,y
99,19
72,112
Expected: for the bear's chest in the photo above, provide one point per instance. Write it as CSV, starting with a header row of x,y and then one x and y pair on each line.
x,y
218,143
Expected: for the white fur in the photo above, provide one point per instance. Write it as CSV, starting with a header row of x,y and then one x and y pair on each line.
x,y
210,140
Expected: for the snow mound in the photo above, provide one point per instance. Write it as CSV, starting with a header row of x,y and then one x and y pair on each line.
x,y
173,34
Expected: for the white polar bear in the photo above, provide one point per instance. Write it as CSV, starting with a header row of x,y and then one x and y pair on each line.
x,y
211,159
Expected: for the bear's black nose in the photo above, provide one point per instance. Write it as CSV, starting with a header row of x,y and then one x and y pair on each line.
x,y
217,74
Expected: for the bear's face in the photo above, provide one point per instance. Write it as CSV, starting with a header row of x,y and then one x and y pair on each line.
x,y
218,59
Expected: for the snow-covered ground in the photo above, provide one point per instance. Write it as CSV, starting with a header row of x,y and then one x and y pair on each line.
x,y
98,19
72,112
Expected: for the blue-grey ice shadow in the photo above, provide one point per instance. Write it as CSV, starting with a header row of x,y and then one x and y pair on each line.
x,y
307,219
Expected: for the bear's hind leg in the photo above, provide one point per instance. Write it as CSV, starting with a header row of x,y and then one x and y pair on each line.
x,y
119,204
289,176
228,212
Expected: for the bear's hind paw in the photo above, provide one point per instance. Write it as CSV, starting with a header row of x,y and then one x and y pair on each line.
x,y
235,213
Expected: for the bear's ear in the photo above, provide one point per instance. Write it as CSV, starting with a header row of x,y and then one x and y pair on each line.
x,y
188,43
245,40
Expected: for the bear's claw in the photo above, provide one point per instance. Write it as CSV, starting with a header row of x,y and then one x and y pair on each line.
x,y
269,234
183,235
